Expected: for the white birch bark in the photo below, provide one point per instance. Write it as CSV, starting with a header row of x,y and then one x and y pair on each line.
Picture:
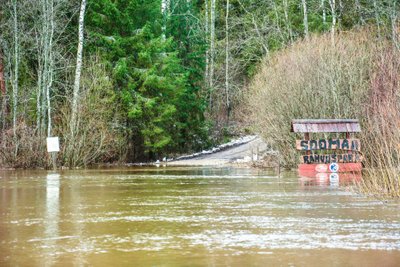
x,y
228,105
323,12
393,21
164,12
305,18
212,49
75,97
207,21
287,20
50,73
332,3
45,36
16,66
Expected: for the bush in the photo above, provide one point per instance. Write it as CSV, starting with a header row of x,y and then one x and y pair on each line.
x,y
357,77
98,137
24,150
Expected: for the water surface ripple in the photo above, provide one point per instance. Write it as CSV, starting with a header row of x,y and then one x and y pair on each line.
x,y
190,217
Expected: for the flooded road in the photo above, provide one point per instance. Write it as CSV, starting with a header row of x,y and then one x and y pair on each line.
x,y
191,217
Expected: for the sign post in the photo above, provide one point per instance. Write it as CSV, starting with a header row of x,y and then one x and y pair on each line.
x,y
335,152
53,146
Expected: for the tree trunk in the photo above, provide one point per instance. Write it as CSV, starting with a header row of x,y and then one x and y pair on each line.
x,y
50,14
287,20
3,90
228,104
393,20
2,78
164,12
332,3
45,67
323,12
212,49
305,18
207,21
15,67
75,97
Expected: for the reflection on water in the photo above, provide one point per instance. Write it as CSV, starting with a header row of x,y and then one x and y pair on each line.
x,y
51,219
333,180
192,216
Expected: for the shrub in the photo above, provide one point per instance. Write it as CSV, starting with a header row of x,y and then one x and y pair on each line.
x,y
356,77
99,136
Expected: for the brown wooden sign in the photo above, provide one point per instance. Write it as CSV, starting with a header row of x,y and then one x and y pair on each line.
x,y
330,158
326,144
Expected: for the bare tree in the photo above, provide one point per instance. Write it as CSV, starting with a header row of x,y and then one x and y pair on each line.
x,y
16,59
332,3
3,91
323,12
305,17
256,28
228,104
212,49
45,55
164,12
75,97
394,26
287,20
2,78
207,22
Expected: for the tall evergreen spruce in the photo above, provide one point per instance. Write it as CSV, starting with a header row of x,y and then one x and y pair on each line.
x,y
158,79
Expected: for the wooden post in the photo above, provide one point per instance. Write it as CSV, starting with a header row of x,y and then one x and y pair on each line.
x,y
307,137
54,160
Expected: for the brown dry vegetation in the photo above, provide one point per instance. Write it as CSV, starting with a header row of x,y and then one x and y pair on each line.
x,y
356,77
99,137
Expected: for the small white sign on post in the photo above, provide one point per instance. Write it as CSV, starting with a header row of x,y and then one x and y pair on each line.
x,y
53,144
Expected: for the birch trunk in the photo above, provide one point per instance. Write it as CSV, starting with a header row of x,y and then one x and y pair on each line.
x,y
323,12
332,3
305,18
3,92
393,20
164,4
15,67
2,77
212,49
50,73
45,38
75,97
228,105
207,21
287,20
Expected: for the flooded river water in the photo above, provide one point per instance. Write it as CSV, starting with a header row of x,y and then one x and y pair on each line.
x,y
190,217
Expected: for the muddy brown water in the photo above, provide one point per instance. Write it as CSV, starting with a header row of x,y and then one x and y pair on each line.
x,y
191,217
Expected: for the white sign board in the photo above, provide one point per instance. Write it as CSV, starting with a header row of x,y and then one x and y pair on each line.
x,y
53,144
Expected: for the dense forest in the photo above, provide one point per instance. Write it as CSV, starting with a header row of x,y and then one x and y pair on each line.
x,y
135,80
